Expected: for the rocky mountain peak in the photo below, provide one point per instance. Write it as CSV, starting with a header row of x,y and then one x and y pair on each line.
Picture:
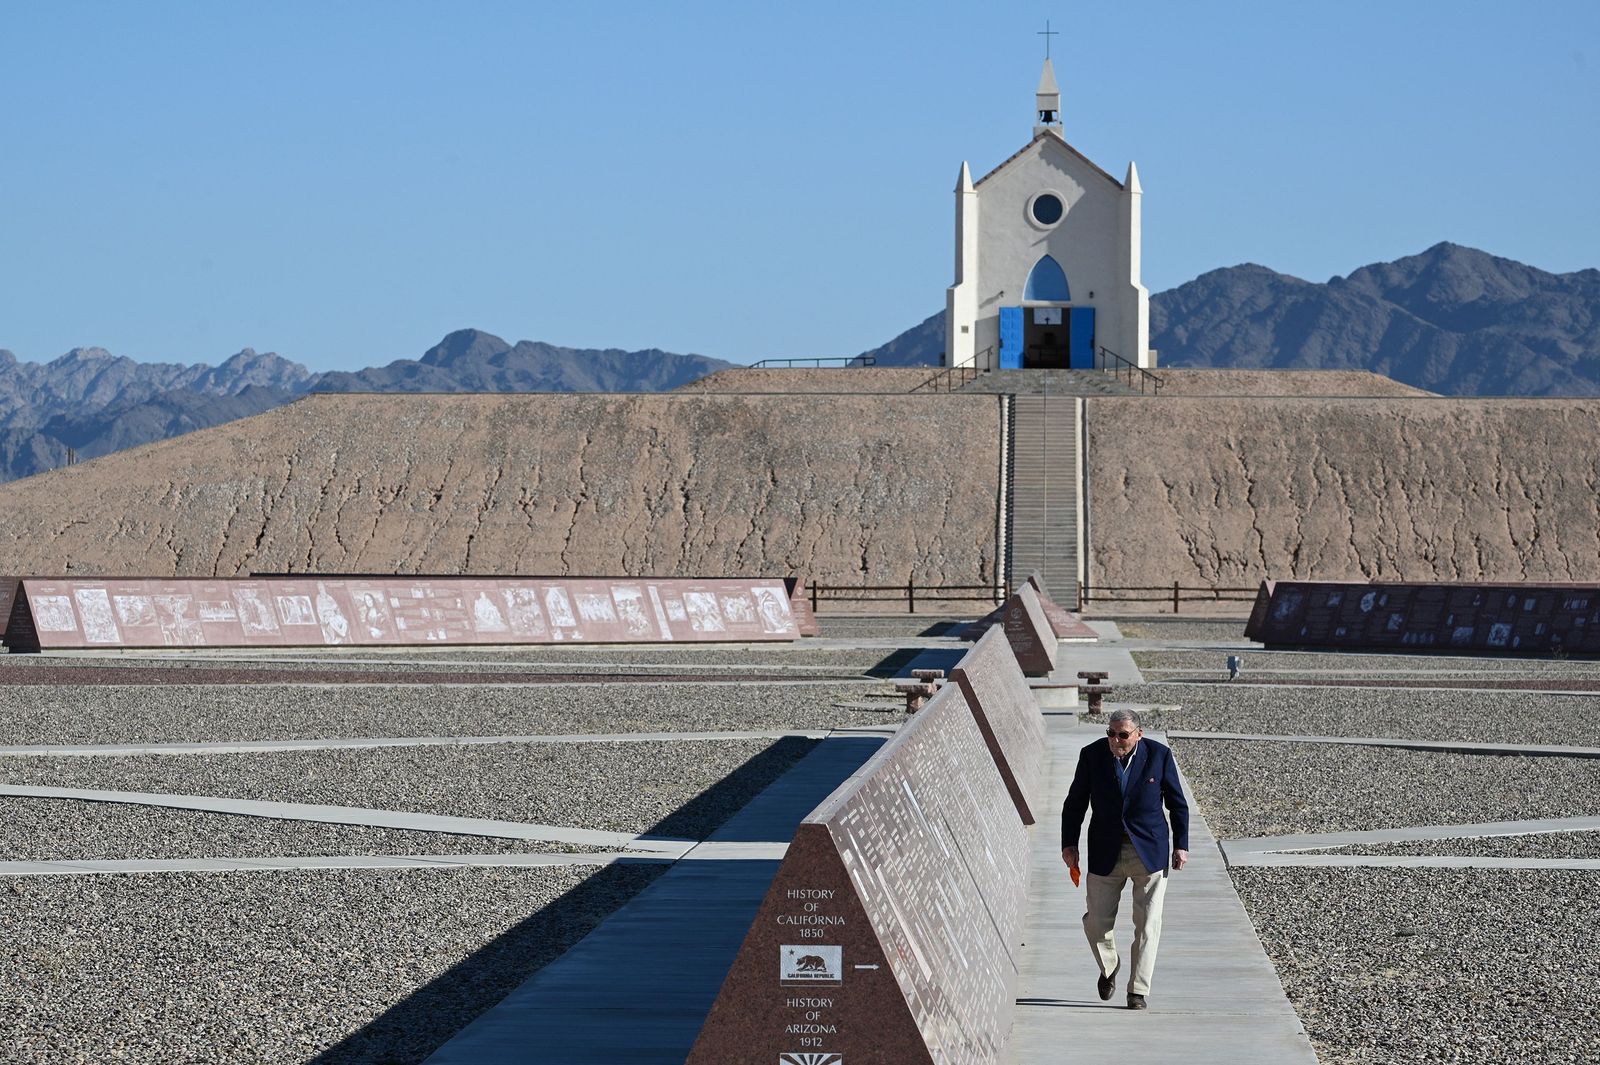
x,y
80,356
464,344
250,369
1450,275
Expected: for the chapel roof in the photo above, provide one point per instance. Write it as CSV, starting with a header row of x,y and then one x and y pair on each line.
x,y
1059,139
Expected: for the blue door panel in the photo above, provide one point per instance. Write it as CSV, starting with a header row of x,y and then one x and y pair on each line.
x,y
1080,354
1010,338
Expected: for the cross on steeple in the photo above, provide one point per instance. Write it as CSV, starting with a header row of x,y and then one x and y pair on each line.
x,y
1049,96
1047,33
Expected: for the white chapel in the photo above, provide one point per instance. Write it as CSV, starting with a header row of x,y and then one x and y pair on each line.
x,y
1047,259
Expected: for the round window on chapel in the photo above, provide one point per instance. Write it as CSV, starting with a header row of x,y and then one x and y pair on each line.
x,y
1047,209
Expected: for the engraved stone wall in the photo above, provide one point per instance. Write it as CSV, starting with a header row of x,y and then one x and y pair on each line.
x,y
890,932
328,611
1008,717
1463,618
1029,633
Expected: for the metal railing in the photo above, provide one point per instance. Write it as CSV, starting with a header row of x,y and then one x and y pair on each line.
x,y
1112,363
1174,593
953,377
909,593
837,360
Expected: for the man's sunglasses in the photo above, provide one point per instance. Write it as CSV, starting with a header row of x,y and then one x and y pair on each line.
x,y
1118,735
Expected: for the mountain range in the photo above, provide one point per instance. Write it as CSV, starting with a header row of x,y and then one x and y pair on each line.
x,y
94,403
1451,320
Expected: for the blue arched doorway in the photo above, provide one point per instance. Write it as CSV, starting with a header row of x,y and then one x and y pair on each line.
x,y
1047,335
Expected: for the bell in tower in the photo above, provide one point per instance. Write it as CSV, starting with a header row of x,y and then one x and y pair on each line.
x,y
1048,101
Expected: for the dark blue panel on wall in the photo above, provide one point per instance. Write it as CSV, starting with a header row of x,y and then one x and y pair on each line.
x,y
1010,338
1047,281
1081,324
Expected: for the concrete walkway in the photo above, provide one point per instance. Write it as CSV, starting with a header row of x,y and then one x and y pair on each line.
x,y
98,750
1291,850
1411,861
704,852
637,988
1107,656
355,815
1437,746
1215,998
86,866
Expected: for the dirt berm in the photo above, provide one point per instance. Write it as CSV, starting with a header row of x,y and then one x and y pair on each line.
x,y
839,488
1228,491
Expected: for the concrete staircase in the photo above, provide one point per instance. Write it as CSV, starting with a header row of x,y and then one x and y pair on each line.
x,y
1042,489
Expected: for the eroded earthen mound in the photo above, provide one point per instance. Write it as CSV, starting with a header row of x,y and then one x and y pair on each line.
x,y
1230,491
846,489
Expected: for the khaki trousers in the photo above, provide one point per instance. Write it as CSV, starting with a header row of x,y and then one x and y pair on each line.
x,y
1104,893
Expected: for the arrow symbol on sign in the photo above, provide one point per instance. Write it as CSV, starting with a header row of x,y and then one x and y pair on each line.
x,y
866,966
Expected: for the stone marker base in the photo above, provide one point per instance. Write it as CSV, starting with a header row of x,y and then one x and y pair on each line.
x,y
1053,695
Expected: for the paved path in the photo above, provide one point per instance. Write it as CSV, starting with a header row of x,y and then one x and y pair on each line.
x,y
1107,656
637,988
1216,997
353,815
1444,746
1356,680
1290,850
1411,861
279,746
1251,669
85,866
704,852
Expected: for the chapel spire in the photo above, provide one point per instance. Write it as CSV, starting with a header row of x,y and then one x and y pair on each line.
x,y
1048,101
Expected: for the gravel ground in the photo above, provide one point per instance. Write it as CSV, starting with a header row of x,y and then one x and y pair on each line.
x,y
180,713
279,967
63,829
1387,966
1153,717
1291,663
1257,788
1476,716
1539,845
623,787
844,627
1209,631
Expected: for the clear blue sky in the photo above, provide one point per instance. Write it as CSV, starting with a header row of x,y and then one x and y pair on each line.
x,y
343,183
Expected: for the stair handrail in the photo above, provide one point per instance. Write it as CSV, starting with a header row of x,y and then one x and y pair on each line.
x,y
815,362
1110,362
953,377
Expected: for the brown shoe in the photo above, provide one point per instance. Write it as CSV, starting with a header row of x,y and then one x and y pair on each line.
x,y
1136,1002
1108,984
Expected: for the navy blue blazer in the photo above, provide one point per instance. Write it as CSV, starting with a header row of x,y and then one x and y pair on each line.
x,y
1152,783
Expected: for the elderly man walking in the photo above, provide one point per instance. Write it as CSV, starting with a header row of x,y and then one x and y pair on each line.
x,y
1126,779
